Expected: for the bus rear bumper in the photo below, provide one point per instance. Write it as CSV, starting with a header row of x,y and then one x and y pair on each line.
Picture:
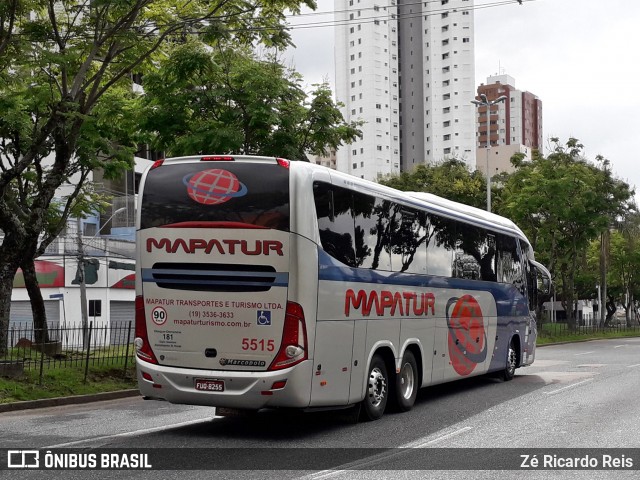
x,y
242,390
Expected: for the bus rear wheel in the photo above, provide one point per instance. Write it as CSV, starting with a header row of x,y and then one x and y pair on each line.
x,y
377,392
406,388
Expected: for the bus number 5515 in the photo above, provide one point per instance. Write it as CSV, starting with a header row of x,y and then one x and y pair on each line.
x,y
258,344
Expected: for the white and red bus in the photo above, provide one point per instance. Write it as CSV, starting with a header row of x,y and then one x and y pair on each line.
x,y
264,283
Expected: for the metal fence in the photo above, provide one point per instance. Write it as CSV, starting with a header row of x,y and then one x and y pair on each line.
x,y
68,346
564,329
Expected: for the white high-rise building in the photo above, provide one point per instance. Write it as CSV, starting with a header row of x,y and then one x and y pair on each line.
x,y
406,69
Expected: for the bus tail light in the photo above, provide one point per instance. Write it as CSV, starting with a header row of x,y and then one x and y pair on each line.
x,y
157,163
283,163
141,342
217,158
293,348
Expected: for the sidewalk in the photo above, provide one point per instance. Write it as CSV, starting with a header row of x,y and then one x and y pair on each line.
x,y
71,400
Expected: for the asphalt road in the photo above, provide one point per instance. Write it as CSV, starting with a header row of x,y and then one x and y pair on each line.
x,y
575,396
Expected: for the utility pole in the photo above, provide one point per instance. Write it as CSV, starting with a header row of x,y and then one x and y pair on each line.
x,y
483,102
83,285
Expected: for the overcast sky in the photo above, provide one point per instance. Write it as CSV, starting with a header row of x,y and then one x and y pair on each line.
x,y
580,57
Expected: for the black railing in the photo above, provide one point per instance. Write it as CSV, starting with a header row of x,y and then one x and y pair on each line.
x,y
61,345
559,329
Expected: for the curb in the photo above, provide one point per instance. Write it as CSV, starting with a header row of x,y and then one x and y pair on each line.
x,y
72,400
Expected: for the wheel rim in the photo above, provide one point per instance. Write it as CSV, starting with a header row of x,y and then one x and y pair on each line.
x,y
511,360
377,387
407,381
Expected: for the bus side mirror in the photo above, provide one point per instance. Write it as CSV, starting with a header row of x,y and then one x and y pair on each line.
x,y
544,284
543,278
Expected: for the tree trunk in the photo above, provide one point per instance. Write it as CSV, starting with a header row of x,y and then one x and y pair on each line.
x,y
9,261
611,309
40,328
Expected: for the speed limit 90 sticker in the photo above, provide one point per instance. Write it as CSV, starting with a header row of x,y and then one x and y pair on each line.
x,y
159,316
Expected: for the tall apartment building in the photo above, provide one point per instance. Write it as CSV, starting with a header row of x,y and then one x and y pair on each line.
x,y
407,69
515,125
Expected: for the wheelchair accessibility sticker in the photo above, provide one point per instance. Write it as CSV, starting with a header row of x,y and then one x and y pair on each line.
x,y
264,317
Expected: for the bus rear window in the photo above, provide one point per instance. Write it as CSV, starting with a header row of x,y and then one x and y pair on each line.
x,y
232,193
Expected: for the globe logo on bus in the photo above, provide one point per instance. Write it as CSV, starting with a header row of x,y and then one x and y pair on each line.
x,y
467,337
214,186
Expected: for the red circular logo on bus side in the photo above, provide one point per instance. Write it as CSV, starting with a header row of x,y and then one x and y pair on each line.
x,y
214,186
467,338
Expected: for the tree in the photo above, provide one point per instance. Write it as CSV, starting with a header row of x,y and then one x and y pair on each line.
x,y
227,100
450,179
624,263
65,95
563,202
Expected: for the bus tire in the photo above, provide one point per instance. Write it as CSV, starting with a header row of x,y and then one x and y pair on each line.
x,y
512,362
406,388
377,391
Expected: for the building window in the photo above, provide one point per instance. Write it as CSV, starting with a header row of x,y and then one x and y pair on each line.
x,y
354,166
446,137
95,308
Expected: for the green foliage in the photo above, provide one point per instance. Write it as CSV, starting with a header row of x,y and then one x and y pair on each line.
x,y
66,98
229,101
562,202
450,179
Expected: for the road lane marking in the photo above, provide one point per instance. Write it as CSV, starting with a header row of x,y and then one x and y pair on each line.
x,y
583,353
569,386
422,444
631,366
619,346
381,457
132,434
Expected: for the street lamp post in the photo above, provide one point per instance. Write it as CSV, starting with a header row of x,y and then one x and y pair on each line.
x,y
484,102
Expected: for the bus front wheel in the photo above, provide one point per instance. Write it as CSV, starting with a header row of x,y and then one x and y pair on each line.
x,y
377,392
512,362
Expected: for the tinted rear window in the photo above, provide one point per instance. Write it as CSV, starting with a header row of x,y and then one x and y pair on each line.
x,y
250,193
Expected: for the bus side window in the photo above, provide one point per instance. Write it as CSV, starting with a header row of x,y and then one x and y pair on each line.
x,y
532,281
441,238
408,240
372,225
510,266
467,255
335,221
